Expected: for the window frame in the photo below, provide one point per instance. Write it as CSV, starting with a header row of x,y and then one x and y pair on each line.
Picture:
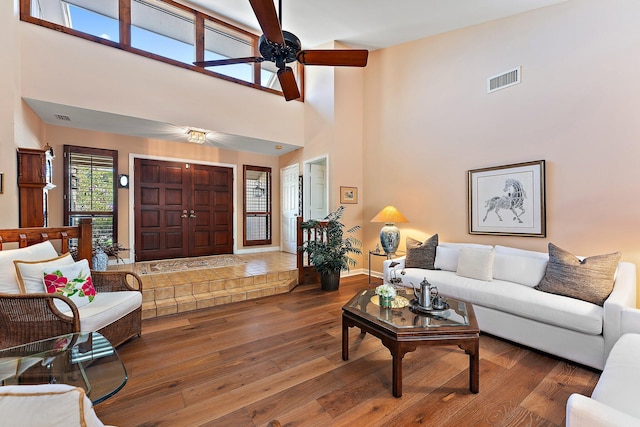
x,y
267,214
199,17
68,213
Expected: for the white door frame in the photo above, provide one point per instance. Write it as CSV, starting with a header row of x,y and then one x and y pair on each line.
x,y
288,222
306,208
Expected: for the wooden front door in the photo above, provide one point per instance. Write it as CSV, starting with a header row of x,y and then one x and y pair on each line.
x,y
182,210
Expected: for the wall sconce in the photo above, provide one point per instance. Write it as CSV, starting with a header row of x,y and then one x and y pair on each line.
x,y
196,136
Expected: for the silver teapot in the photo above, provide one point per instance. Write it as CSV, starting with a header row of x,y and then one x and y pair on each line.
x,y
424,296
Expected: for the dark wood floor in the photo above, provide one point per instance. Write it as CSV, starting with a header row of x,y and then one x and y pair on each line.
x,y
279,358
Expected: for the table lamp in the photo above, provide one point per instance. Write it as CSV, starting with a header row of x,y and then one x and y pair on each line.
x,y
389,234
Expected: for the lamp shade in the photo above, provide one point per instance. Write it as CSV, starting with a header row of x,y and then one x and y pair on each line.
x,y
389,215
389,234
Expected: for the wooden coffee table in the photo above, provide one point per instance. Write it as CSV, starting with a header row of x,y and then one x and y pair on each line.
x,y
402,330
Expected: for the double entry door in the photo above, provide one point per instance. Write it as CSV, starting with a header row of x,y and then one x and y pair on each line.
x,y
182,210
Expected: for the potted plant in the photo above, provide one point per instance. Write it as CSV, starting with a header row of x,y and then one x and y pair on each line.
x,y
329,255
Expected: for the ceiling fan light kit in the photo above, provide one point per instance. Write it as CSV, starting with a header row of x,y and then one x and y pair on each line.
x,y
282,47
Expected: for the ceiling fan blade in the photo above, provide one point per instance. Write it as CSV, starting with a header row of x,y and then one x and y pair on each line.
x,y
288,83
338,57
265,11
229,61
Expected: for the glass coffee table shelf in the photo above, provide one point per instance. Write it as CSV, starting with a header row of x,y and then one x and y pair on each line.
x,y
86,360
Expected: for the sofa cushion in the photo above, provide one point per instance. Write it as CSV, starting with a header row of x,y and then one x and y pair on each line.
x,y
590,279
106,308
476,263
519,266
421,254
73,281
39,251
618,384
29,273
447,254
514,298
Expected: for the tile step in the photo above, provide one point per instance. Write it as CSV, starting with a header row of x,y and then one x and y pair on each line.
x,y
166,300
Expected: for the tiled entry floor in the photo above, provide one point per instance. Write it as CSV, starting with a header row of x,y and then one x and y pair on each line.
x,y
261,274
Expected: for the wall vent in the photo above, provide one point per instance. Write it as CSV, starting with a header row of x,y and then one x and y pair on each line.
x,y
63,117
504,80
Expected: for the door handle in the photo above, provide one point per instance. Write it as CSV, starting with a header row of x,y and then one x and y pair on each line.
x,y
184,214
192,214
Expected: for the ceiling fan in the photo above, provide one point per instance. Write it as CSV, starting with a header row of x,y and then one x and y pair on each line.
x,y
282,47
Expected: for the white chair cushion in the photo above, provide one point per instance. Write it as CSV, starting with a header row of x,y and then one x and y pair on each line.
x,y
106,308
618,384
37,252
46,405
30,273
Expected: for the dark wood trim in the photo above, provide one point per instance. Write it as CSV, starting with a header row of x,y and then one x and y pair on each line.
x,y
199,37
268,213
125,22
28,236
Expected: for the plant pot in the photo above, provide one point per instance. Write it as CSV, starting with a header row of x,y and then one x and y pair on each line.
x,y
330,281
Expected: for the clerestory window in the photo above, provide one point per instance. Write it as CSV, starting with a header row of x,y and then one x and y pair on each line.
x,y
163,30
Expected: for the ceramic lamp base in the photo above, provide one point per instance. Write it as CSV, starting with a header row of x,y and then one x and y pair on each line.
x,y
390,238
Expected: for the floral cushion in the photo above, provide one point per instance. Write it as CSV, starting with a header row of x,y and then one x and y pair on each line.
x,y
73,281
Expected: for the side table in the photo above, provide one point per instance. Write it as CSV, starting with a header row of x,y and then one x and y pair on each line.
x,y
380,253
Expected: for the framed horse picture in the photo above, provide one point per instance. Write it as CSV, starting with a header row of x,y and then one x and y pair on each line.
x,y
508,200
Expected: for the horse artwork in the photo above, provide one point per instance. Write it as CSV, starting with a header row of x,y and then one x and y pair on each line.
x,y
514,199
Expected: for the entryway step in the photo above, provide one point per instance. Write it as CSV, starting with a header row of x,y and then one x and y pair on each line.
x,y
172,293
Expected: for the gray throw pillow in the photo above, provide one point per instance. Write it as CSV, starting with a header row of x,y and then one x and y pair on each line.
x,y
590,279
421,254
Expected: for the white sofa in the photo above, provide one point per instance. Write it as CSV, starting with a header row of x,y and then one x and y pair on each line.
x,y
508,306
614,401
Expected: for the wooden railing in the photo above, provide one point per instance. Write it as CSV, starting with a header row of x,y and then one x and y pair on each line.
x,y
306,272
31,235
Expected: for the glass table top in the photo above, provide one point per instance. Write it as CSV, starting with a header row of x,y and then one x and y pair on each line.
x,y
402,314
86,360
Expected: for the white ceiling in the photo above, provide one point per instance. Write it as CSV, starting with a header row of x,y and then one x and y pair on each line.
x,y
370,24
374,24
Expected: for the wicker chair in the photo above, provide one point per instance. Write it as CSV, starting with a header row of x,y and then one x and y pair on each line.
x,y
30,317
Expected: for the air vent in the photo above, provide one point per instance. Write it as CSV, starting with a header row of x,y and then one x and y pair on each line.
x,y
63,117
504,80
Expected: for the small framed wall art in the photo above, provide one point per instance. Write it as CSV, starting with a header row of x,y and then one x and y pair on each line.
x,y
508,200
348,195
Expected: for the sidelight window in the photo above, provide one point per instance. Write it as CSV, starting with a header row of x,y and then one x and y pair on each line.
x,y
257,205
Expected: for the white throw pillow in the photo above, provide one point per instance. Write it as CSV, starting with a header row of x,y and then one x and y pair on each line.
x,y
476,263
29,273
446,258
447,254
73,281
525,270
39,251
